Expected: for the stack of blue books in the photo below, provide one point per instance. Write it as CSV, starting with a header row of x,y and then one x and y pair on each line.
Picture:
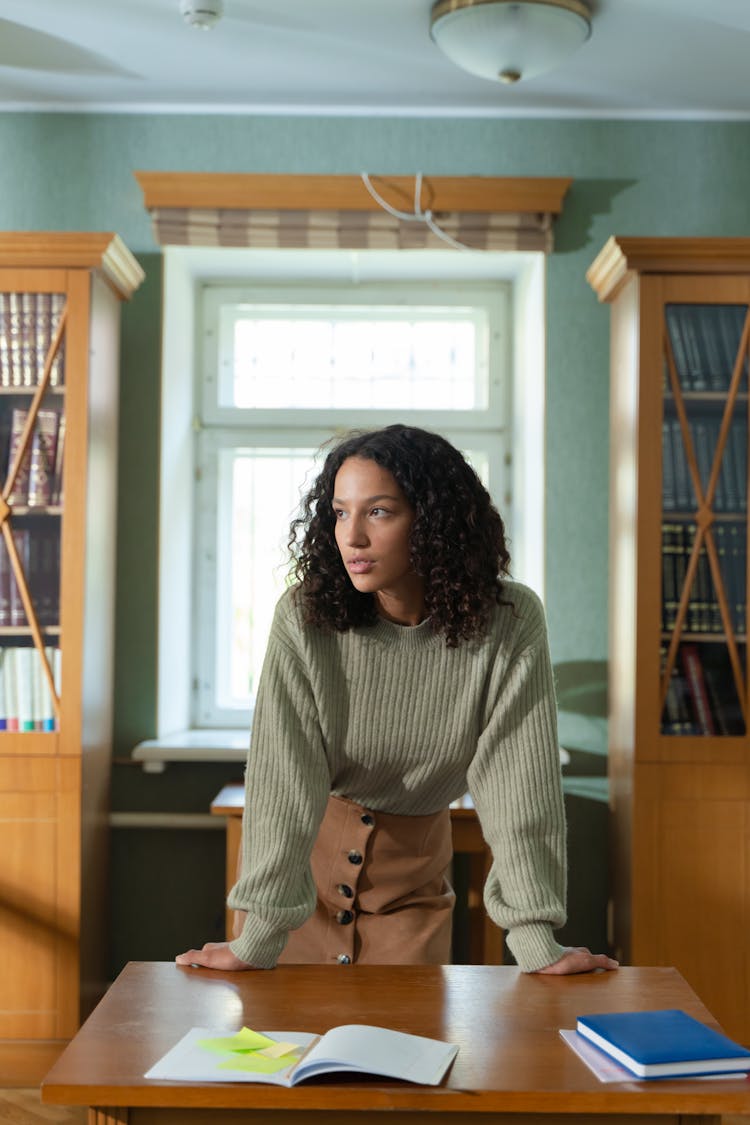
x,y
663,1043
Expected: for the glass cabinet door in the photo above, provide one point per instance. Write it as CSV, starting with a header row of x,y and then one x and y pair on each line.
x,y
32,443
704,519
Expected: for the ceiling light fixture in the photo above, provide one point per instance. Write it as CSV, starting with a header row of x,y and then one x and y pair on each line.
x,y
507,40
202,14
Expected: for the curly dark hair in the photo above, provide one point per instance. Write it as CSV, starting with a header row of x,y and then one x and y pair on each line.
x,y
458,543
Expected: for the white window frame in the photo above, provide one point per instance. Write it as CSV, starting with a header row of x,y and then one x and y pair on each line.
x,y
185,269
221,427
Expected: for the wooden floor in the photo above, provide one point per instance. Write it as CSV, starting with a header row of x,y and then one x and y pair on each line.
x,y
23,1107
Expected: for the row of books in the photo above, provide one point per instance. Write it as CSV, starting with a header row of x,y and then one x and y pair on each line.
x,y
28,322
701,695
703,612
678,493
39,481
39,554
705,340
25,696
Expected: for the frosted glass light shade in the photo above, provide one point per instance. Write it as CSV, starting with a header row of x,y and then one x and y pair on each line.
x,y
506,40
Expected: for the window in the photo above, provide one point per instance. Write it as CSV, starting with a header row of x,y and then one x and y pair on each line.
x,y
283,368
190,274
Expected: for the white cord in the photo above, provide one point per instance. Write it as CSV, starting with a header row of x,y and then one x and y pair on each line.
x,y
418,215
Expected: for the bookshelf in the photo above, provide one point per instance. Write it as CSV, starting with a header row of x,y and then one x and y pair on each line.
x,y
60,296
679,753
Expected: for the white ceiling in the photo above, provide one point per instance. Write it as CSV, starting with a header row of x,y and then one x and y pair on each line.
x,y
645,58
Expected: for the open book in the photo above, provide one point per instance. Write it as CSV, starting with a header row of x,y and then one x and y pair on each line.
x,y
285,1058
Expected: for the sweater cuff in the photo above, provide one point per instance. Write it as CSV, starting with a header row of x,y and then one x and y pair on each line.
x,y
533,946
260,943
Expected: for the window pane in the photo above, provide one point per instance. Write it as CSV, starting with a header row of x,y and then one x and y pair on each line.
x,y
354,358
259,495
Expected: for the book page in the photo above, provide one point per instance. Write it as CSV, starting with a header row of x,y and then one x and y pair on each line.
x,y
377,1050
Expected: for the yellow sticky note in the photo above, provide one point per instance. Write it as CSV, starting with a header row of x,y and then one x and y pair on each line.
x,y
243,1040
278,1050
248,1040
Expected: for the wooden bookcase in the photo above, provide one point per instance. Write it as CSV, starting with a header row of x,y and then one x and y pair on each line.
x,y
59,340
679,753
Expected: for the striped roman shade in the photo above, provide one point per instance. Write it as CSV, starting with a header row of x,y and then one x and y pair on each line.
x,y
338,212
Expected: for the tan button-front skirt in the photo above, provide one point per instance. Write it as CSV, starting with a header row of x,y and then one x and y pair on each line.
x,y
383,891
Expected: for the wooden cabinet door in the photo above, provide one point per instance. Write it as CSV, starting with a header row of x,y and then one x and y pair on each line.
x,y
38,892
691,899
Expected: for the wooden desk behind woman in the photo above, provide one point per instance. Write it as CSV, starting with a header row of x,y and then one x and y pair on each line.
x,y
485,940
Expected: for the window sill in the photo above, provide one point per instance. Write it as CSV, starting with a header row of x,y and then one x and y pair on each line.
x,y
192,746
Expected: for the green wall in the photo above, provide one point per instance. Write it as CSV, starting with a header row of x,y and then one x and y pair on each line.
x,y
62,171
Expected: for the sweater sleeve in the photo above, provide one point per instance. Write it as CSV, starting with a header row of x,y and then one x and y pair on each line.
x,y
287,783
516,785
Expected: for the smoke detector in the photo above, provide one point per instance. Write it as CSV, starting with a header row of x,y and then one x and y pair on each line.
x,y
201,13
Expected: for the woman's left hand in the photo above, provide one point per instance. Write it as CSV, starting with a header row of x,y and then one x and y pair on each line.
x,y
579,959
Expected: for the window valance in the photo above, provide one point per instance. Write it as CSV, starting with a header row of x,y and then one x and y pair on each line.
x,y
341,212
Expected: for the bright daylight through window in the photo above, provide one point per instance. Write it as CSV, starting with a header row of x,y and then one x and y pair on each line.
x,y
281,372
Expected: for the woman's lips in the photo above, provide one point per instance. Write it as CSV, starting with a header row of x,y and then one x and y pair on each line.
x,y
360,566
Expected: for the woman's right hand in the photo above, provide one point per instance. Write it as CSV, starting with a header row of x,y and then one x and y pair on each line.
x,y
213,955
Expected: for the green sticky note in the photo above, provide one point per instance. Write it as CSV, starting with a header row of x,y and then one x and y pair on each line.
x,y
256,1064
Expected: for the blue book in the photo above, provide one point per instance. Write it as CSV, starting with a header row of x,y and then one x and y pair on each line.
x,y
666,1043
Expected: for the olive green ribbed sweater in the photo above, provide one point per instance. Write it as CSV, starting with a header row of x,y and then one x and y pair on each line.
x,y
392,718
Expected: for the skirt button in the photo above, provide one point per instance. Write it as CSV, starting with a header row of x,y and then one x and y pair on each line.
x,y
343,959
355,858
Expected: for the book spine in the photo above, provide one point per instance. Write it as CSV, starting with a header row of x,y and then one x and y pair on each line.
x,y
670,599
5,578
678,715
730,330
44,575
692,342
48,719
28,339
11,693
58,475
14,339
716,367
694,674
3,714
738,439
42,459
25,688
20,491
669,498
671,314
683,484
22,540
42,327
702,449
5,375
57,371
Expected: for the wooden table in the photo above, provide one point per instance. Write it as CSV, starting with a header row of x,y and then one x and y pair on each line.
x,y
512,1066
485,946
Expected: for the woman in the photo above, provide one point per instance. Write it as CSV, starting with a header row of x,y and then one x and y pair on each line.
x,y
402,669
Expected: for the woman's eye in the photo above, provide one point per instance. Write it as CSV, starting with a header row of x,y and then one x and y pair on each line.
x,y
378,512
338,514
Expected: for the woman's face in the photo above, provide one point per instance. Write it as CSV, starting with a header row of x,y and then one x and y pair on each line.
x,y
373,527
